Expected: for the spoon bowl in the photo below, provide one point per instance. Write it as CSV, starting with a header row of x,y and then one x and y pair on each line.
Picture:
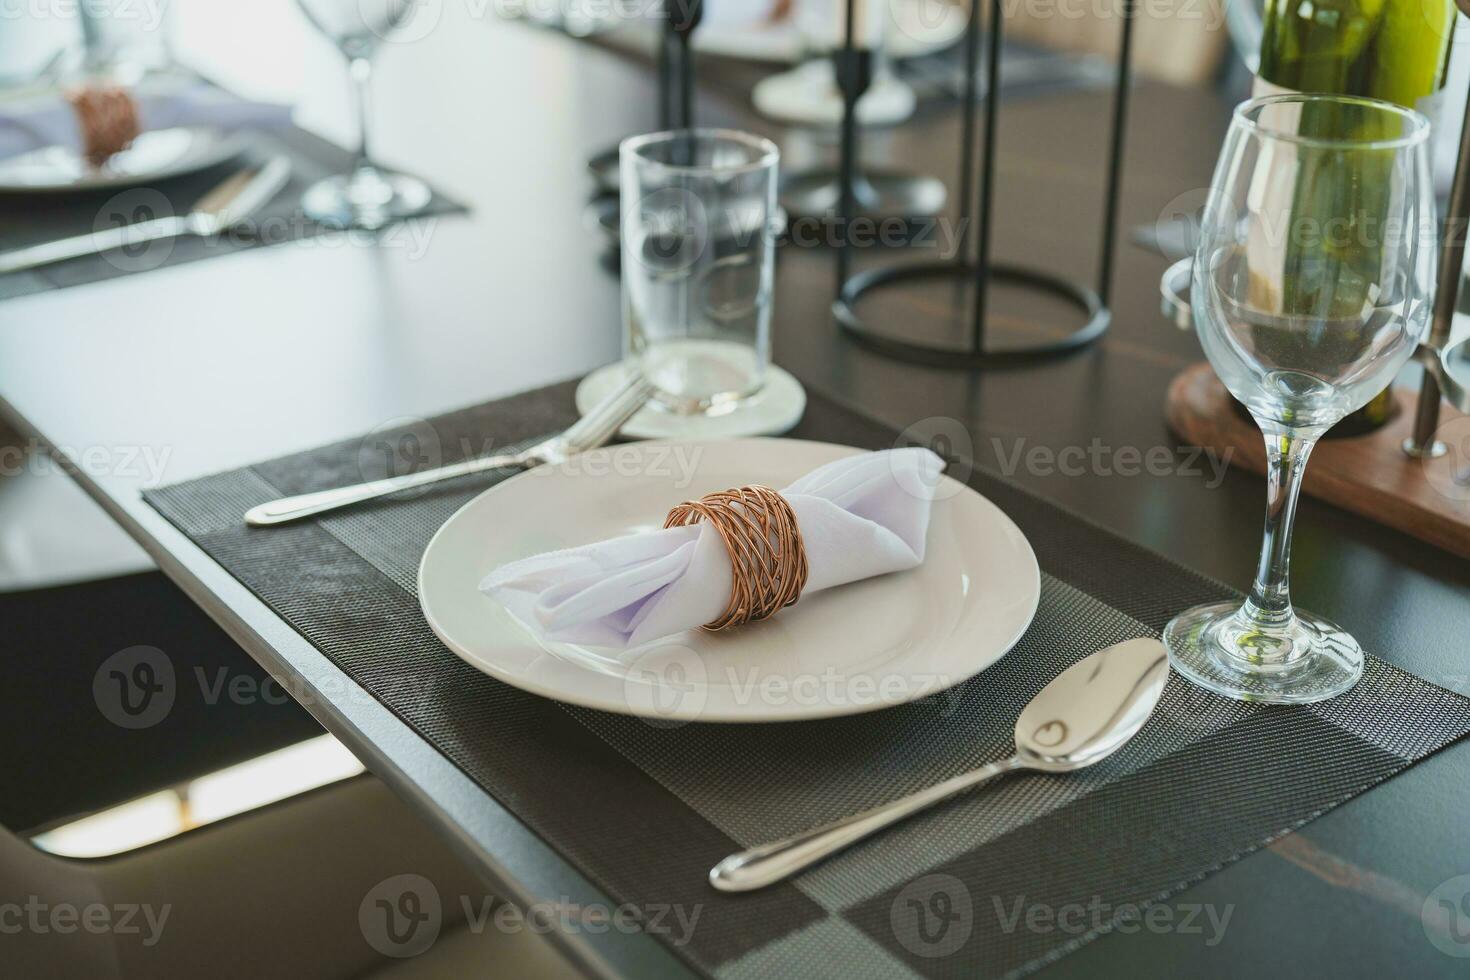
x,y
1087,712
1090,709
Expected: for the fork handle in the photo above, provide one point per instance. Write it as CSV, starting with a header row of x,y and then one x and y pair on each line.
x,y
779,860
92,244
286,509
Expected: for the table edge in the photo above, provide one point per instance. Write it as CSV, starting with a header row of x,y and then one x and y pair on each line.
x,y
474,824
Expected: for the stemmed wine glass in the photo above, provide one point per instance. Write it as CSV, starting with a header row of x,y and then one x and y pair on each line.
x,y
367,196
1313,282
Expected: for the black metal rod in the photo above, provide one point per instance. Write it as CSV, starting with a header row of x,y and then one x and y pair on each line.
x,y
686,82
676,64
847,161
852,77
682,17
967,134
1115,153
847,193
666,81
974,202
987,175
853,66
1451,261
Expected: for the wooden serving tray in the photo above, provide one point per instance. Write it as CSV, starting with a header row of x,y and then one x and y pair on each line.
x,y
1369,475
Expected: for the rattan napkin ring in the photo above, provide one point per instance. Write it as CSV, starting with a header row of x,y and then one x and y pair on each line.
x,y
108,118
767,557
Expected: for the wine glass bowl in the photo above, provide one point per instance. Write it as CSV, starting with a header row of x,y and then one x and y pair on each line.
x,y
1306,371
1313,282
358,27
1312,285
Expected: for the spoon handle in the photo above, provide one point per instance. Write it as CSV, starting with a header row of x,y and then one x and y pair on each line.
x,y
767,864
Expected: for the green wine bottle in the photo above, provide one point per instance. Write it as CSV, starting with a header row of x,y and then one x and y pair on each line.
x,y
1395,50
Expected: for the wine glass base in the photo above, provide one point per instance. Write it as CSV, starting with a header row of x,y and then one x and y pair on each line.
x,y
365,199
1215,649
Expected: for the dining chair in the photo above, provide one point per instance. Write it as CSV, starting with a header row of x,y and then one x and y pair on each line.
x,y
274,892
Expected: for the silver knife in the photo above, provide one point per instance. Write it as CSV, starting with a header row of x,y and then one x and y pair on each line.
x,y
224,208
594,430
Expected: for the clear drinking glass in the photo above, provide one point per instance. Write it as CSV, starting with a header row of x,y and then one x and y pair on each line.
x,y
698,237
367,196
1313,283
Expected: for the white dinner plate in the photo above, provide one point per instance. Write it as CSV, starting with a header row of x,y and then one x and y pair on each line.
x,y
155,155
855,648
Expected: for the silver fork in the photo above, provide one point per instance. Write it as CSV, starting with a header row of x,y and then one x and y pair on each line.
x,y
595,429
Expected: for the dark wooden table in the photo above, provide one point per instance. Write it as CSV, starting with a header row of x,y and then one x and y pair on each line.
x,y
234,359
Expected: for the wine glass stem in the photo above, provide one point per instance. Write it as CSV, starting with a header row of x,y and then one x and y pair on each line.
x,y
1268,608
362,73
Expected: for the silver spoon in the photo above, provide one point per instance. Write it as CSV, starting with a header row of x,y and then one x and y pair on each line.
x,y
1083,716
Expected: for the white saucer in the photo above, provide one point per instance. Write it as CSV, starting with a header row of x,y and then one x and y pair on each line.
x,y
856,648
774,410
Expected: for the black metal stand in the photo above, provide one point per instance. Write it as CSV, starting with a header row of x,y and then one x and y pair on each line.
x,y
980,272
881,195
877,194
675,59
1422,443
854,75
683,16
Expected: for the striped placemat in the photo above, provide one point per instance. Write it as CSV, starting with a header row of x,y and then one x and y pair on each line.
x,y
997,883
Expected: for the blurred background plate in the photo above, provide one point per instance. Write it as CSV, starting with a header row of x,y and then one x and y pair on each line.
x,y
155,155
916,28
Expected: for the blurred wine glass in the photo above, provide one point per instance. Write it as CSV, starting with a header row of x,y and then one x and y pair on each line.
x,y
368,196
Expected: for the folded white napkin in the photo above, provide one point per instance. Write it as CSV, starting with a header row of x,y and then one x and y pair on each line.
x,y
860,516
49,121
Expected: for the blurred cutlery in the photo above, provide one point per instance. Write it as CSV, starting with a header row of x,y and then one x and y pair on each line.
x,y
226,207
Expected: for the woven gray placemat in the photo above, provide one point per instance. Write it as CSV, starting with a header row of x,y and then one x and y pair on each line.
x,y
30,219
645,809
